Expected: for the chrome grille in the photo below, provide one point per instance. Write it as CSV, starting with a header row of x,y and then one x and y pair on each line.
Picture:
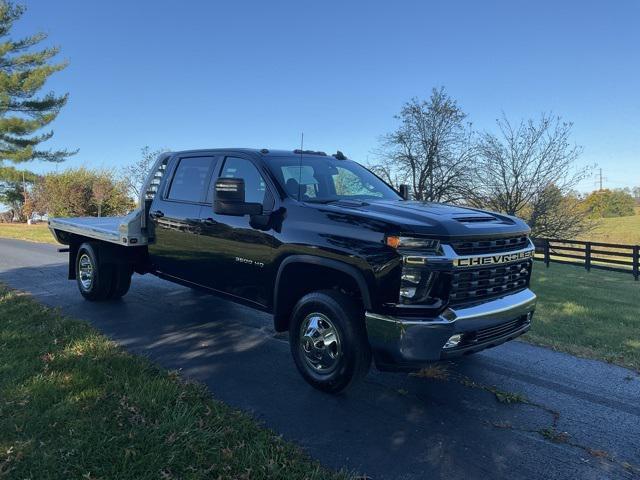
x,y
507,244
484,283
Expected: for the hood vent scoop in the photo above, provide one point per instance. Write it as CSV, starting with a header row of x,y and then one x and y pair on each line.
x,y
475,219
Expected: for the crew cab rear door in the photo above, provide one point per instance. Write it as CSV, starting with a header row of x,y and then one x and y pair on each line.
x,y
175,217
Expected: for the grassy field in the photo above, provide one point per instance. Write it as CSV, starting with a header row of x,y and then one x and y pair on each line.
x,y
625,230
21,231
74,405
593,314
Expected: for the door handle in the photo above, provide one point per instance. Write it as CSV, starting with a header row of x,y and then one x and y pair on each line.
x,y
209,221
156,214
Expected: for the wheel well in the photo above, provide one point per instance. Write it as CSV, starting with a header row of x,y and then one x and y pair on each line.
x,y
297,279
111,253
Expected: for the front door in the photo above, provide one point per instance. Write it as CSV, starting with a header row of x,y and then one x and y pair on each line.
x,y
240,255
175,217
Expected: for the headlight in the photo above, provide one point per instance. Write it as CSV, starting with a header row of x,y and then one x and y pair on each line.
x,y
417,282
428,246
416,285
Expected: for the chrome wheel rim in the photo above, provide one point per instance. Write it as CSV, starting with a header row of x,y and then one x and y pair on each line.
x,y
320,343
85,271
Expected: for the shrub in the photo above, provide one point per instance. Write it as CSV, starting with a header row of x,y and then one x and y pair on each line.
x,y
81,192
609,203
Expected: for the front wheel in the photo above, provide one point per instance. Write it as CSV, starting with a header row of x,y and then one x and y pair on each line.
x,y
328,340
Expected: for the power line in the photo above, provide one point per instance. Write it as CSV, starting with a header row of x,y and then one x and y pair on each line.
x,y
600,179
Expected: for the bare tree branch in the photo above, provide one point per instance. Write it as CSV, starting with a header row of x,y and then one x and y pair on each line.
x,y
135,174
430,150
528,170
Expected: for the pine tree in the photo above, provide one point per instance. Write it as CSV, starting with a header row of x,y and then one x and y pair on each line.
x,y
24,110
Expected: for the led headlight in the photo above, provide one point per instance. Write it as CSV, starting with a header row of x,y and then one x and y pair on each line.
x,y
428,246
417,281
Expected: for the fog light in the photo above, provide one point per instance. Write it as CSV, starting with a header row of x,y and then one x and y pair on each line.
x,y
407,292
412,275
453,341
415,285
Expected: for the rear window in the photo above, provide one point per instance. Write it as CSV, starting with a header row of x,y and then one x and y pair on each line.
x,y
189,181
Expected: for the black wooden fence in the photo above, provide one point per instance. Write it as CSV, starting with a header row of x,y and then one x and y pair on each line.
x,y
605,256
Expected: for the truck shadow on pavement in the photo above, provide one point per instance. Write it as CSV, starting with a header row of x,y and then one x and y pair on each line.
x,y
512,412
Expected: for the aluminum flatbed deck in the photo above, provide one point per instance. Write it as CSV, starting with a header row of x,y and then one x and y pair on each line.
x,y
124,230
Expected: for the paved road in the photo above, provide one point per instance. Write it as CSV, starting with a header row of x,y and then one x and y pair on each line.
x,y
393,426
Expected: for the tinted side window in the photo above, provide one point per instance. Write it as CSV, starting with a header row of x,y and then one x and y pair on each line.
x,y
254,184
190,178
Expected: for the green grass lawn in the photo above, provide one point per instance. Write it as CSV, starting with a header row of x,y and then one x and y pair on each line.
x,y
625,230
74,405
21,231
593,314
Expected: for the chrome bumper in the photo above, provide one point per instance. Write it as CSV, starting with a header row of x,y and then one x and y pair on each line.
x,y
408,342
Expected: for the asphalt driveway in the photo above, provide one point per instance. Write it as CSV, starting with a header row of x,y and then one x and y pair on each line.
x,y
581,418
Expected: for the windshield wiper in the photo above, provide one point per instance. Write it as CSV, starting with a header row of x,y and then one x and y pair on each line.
x,y
352,202
322,200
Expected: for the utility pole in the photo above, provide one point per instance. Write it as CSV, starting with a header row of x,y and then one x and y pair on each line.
x,y
600,179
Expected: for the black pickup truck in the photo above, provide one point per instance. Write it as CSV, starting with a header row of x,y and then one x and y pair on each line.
x,y
346,264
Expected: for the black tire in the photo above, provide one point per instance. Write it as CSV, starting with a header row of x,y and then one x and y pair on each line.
x,y
121,281
100,285
349,355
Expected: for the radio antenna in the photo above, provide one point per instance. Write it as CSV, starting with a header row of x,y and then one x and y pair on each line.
x,y
300,166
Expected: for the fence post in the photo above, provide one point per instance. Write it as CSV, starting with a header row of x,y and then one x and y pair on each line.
x,y
546,252
636,262
587,257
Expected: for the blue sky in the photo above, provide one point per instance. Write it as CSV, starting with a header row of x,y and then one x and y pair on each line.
x,y
197,74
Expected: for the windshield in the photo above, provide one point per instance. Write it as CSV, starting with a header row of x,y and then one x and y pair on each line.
x,y
325,179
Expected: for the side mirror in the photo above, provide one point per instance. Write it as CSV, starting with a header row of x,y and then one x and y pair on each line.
x,y
404,191
229,198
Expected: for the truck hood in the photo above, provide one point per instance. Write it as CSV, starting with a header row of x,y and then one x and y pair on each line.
x,y
428,218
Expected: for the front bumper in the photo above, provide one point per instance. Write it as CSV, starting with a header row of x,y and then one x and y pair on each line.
x,y
406,343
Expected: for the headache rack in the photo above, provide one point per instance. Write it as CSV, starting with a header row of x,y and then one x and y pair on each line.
x,y
477,285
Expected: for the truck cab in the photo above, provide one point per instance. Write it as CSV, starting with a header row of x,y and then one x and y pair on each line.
x,y
350,268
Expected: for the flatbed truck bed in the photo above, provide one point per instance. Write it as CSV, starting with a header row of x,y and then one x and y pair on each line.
x,y
126,230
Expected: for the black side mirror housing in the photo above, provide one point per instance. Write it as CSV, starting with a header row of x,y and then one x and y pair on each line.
x,y
229,198
404,191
